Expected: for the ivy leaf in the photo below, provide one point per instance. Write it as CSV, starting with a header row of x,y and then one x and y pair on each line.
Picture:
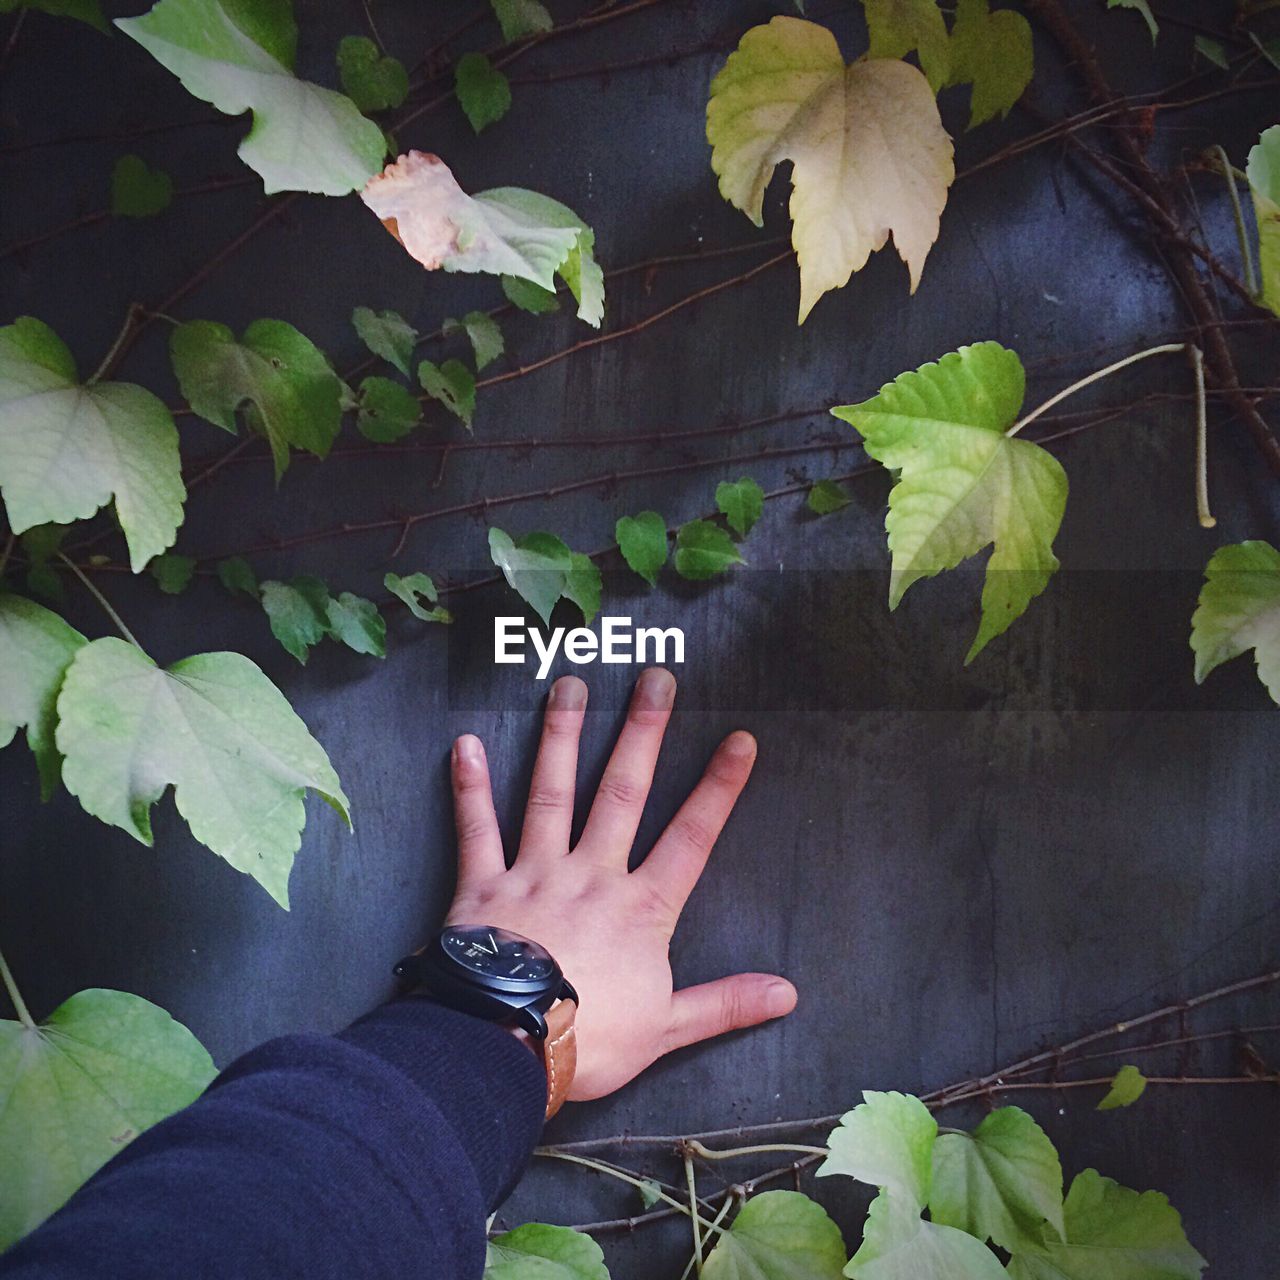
x,y
89,11
483,333
536,567
507,231
1263,173
304,137
104,1066
371,81
295,395
172,572
412,590
1003,1182
356,622
583,586
887,1141
388,335
962,482
137,190
650,1193
827,496
67,448
298,612
642,540
387,411
520,18
529,297
484,93
1212,51
778,1235
453,384
40,543
1112,1231
897,27
870,156
899,1245
1142,7
993,52
1239,609
36,647
741,502
704,549
537,1249
239,758
237,576
1127,1086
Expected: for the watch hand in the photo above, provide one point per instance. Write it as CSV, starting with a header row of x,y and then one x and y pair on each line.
x,y
493,944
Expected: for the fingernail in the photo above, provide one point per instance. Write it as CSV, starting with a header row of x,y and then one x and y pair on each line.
x,y
569,693
656,688
468,749
779,998
740,745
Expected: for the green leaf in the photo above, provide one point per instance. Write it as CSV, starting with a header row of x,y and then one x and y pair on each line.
x,y
239,758
137,190
484,93
483,333
536,567
412,590
453,384
1213,51
295,395
1113,1233
520,18
741,503
897,27
704,549
993,52
1239,610
899,1245
40,543
1003,1182
104,1066
371,81
778,1235
650,1193
583,586
529,297
172,572
387,410
388,335
36,647
642,540
304,138
356,622
827,496
962,482
236,574
298,612
89,11
1142,7
1127,1087
869,154
507,231
537,1251
1263,172
886,1141
68,448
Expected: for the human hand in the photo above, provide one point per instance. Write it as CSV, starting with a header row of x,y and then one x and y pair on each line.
x,y
608,928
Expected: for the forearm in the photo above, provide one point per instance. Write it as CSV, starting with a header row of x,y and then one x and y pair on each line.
x,y
375,1153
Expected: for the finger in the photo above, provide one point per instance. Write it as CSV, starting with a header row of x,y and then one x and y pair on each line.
x,y
615,812
549,812
728,1004
479,841
676,861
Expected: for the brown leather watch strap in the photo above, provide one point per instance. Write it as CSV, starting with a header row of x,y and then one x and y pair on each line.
x,y
560,1053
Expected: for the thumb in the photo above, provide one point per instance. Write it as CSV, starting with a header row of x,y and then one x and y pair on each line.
x,y
728,1004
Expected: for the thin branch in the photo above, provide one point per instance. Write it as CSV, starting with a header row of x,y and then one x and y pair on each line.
x,y
103,601
15,996
1242,232
1203,514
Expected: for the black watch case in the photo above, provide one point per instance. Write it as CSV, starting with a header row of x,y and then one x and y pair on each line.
x,y
490,973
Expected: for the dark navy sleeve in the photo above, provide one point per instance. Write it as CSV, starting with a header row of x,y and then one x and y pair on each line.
x,y
376,1154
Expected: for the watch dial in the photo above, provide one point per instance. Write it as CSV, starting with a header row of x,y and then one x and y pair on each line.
x,y
497,953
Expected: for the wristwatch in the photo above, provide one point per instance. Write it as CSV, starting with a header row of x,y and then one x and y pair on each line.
x,y
497,975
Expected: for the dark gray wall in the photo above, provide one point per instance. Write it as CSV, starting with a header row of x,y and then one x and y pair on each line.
x,y
955,865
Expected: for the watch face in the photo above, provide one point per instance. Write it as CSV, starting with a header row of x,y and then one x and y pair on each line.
x,y
496,953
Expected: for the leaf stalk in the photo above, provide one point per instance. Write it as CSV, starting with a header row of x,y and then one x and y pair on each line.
x,y
19,1005
103,601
